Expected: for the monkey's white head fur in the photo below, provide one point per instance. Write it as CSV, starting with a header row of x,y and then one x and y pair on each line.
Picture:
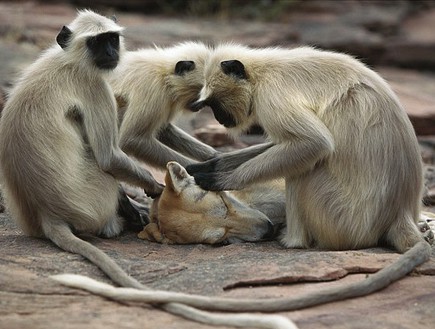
x,y
88,23
85,25
187,82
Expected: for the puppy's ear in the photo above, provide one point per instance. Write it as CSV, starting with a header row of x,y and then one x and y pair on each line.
x,y
64,37
235,68
177,177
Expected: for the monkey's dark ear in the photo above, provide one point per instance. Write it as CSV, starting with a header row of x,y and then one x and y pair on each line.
x,y
184,66
114,18
63,37
234,67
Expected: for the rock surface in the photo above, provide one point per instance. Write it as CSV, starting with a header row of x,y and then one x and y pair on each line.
x,y
386,36
30,299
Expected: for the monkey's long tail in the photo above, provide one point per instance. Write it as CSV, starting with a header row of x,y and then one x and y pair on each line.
x,y
60,233
405,264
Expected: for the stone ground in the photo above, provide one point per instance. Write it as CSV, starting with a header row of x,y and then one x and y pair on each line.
x,y
29,299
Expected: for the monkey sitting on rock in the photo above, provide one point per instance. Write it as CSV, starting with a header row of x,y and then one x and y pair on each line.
x,y
59,156
339,137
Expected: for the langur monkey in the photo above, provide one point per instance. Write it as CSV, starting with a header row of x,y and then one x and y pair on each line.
x,y
153,86
339,137
345,147
59,156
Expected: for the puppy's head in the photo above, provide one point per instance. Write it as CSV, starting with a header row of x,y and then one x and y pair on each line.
x,y
185,213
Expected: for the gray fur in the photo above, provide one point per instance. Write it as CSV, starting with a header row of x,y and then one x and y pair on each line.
x,y
59,154
342,141
154,95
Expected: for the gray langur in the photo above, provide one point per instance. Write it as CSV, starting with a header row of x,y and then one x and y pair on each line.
x,y
339,136
347,151
59,156
153,86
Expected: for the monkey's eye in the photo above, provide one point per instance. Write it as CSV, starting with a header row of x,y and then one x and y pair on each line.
x,y
184,66
234,68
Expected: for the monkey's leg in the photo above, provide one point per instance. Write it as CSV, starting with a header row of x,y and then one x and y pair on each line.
x,y
112,228
182,142
295,234
151,151
404,233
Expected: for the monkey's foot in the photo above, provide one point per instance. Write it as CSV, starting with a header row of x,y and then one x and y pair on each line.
x,y
112,228
290,241
426,231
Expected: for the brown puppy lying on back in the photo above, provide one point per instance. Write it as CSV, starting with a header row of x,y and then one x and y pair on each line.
x,y
185,213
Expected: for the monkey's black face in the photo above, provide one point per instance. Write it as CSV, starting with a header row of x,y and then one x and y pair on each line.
x,y
186,82
104,48
182,67
220,114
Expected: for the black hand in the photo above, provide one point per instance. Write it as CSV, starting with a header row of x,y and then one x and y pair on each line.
x,y
203,167
208,181
155,195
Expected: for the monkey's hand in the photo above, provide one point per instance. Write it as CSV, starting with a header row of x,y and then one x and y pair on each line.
x,y
155,191
228,162
210,181
208,166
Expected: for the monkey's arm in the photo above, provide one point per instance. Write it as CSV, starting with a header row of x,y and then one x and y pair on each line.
x,y
228,161
305,140
182,142
102,132
148,149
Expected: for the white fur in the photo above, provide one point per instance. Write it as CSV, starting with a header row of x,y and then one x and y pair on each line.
x,y
155,96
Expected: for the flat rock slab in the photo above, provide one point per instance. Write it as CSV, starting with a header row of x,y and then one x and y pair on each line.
x,y
30,299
